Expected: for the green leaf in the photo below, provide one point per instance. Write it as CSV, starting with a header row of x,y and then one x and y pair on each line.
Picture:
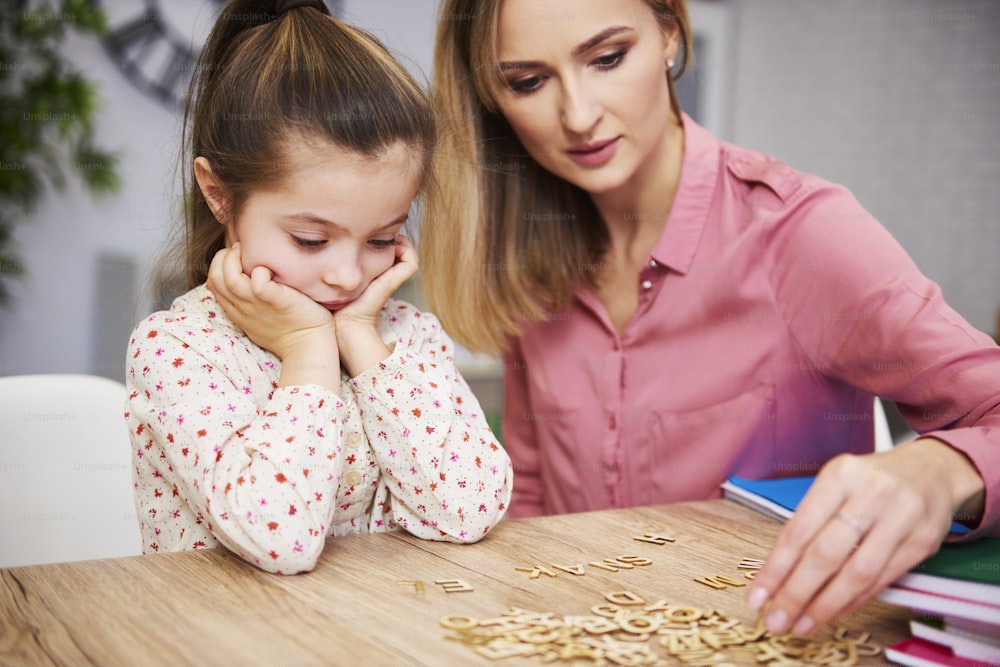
x,y
87,17
99,169
47,112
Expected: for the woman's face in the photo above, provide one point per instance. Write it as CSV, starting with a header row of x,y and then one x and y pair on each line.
x,y
586,91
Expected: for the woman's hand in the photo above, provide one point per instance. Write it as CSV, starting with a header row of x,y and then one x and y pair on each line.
x,y
865,521
278,318
357,333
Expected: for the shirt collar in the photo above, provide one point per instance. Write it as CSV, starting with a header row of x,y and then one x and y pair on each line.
x,y
682,232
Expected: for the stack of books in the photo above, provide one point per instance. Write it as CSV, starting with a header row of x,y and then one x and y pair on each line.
x,y
956,592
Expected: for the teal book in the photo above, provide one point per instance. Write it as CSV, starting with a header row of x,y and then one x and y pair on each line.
x,y
971,561
961,582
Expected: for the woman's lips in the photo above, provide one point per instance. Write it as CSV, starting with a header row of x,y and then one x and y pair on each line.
x,y
594,154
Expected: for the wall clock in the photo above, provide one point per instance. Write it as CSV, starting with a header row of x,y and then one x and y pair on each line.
x,y
155,43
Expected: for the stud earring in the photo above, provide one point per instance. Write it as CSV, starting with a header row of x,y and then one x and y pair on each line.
x,y
670,63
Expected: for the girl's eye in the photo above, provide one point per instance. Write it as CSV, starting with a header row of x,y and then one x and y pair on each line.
x,y
610,61
308,243
383,243
527,85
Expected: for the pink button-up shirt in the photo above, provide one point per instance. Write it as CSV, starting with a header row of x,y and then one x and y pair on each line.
x,y
772,310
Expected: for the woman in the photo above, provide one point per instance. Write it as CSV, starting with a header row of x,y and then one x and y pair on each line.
x,y
674,309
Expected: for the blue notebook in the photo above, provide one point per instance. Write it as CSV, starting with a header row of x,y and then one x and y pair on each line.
x,y
778,498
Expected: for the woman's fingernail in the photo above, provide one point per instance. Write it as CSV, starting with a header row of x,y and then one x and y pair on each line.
x,y
804,626
777,621
757,598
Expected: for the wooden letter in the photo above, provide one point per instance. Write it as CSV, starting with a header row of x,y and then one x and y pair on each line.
x,y
719,582
418,585
606,566
536,571
623,598
454,585
638,561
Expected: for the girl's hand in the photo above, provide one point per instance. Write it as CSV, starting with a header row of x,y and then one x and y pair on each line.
x,y
364,310
280,319
357,334
865,521
274,316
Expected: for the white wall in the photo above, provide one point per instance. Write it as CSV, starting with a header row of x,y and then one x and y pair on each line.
x,y
405,26
50,324
898,99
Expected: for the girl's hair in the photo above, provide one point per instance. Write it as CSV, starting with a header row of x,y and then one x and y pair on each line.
x,y
262,79
518,238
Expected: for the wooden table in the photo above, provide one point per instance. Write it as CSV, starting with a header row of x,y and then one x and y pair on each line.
x,y
210,608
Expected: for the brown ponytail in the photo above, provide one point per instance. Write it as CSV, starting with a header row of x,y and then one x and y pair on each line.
x,y
264,76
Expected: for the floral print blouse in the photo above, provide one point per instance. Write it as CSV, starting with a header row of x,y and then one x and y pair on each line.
x,y
223,455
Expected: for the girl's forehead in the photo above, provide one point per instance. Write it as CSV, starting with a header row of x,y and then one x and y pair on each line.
x,y
339,184
298,152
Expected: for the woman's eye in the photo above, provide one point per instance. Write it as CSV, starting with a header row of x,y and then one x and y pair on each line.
x,y
610,61
383,243
308,243
527,85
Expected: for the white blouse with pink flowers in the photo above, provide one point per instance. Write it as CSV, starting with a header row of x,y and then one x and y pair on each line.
x,y
223,455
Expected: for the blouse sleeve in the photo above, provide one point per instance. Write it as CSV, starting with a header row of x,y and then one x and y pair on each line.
x,y
447,476
262,479
858,305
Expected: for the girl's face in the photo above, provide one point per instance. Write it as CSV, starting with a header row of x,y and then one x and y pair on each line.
x,y
331,226
587,93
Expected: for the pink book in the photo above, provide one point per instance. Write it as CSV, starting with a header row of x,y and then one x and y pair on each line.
x,y
922,653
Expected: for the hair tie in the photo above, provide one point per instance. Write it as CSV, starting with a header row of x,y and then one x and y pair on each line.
x,y
284,5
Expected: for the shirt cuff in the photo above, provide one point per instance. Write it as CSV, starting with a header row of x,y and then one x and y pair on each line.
x,y
985,456
394,363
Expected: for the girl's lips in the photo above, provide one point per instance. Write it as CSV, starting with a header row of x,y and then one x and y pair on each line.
x,y
334,305
596,154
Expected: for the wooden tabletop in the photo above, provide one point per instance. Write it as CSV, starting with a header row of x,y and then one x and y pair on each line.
x,y
379,599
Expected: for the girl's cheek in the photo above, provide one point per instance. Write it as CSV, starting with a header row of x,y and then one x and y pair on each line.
x,y
382,264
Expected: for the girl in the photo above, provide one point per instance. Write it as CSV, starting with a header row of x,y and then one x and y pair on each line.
x,y
674,309
291,399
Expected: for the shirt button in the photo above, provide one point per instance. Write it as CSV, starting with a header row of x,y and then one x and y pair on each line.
x,y
353,440
354,478
646,284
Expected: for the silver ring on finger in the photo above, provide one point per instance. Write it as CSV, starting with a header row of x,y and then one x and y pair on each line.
x,y
853,522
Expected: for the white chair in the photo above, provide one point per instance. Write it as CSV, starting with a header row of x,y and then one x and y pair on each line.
x,y
65,470
885,436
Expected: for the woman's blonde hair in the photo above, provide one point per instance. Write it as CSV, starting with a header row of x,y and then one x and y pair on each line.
x,y
503,240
